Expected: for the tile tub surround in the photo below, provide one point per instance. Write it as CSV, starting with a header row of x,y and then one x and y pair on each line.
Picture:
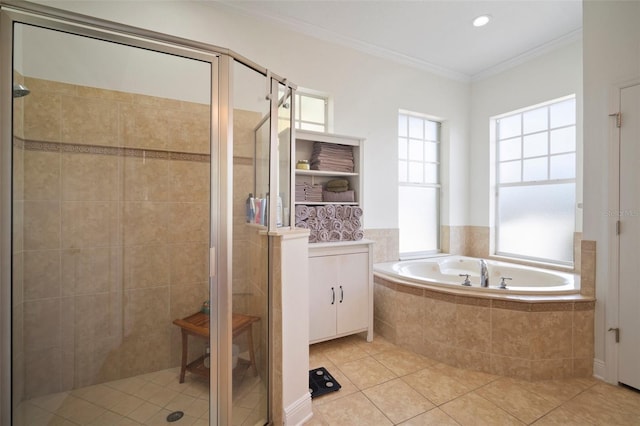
x,y
528,338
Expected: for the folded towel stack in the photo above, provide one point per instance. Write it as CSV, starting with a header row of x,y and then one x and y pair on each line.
x,y
337,185
308,192
331,222
332,157
339,197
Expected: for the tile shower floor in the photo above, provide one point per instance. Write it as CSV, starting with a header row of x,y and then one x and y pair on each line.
x,y
144,400
383,384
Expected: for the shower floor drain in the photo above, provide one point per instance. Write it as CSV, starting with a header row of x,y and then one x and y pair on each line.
x,y
175,416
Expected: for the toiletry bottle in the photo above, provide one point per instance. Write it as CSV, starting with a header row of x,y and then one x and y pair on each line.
x,y
279,211
249,208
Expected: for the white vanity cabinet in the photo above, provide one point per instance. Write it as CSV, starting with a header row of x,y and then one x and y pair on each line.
x,y
340,290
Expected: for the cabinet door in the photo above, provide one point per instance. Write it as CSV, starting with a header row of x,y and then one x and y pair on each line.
x,y
323,297
353,292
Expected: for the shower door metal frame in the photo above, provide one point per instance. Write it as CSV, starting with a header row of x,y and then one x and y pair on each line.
x,y
220,143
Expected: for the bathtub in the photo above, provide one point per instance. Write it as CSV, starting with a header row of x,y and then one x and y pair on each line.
x,y
539,328
449,272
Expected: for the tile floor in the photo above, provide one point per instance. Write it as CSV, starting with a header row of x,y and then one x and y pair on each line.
x,y
145,400
383,384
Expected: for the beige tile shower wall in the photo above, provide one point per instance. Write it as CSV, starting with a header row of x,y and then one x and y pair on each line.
x,y
115,246
529,341
250,261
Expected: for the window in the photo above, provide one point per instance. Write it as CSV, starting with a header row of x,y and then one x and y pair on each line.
x,y
311,112
536,182
419,184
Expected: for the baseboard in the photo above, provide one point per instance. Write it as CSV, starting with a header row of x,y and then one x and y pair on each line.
x,y
299,412
599,369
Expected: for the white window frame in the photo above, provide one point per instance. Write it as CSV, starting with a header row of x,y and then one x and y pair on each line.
x,y
300,119
431,185
528,183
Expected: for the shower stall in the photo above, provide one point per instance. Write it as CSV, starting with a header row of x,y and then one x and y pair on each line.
x,y
126,160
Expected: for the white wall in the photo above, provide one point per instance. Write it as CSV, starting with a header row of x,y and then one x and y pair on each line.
x,y
551,76
611,57
367,91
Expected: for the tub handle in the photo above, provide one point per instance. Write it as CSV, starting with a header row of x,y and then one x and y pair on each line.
x,y
333,295
503,284
341,294
466,280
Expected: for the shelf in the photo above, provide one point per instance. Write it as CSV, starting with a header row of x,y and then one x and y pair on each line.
x,y
325,203
302,172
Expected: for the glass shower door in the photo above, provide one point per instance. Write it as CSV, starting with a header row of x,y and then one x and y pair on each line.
x,y
111,229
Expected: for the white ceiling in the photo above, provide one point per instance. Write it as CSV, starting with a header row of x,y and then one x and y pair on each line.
x,y
434,35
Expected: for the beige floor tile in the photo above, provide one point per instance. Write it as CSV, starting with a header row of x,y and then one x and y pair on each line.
x,y
144,412
130,385
402,362
79,411
239,415
366,372
471,379
147,390
180,402
512,396
397,400
560,391
201,422
602,410
316,420
100,395
354,410
127,404
435,385
199,409
618,397
435,417
379,344
317,359
162,397
562,416
472,409
108,418
345,353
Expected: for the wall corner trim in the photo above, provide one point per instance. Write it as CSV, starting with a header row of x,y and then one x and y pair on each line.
x,y
299,411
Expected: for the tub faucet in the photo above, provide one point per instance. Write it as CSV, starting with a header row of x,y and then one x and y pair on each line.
x,y
484,274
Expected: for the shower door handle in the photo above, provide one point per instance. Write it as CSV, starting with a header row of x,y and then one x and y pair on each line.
x,y
212,262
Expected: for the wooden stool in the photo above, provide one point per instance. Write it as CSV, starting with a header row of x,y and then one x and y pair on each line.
x,y
198,325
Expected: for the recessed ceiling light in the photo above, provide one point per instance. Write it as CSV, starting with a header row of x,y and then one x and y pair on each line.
x,y
481,20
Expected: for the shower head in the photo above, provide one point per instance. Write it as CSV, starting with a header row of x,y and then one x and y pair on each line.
x,y
20,90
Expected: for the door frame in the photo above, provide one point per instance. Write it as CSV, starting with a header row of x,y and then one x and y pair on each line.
x,y
612,311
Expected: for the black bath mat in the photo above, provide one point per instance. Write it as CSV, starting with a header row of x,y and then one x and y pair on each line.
x,y
321,382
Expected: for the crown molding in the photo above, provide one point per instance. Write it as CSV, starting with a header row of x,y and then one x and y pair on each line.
x,y
321,33
565,40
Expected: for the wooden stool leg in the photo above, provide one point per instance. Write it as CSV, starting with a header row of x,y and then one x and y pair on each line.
x,y
252,355
183,367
